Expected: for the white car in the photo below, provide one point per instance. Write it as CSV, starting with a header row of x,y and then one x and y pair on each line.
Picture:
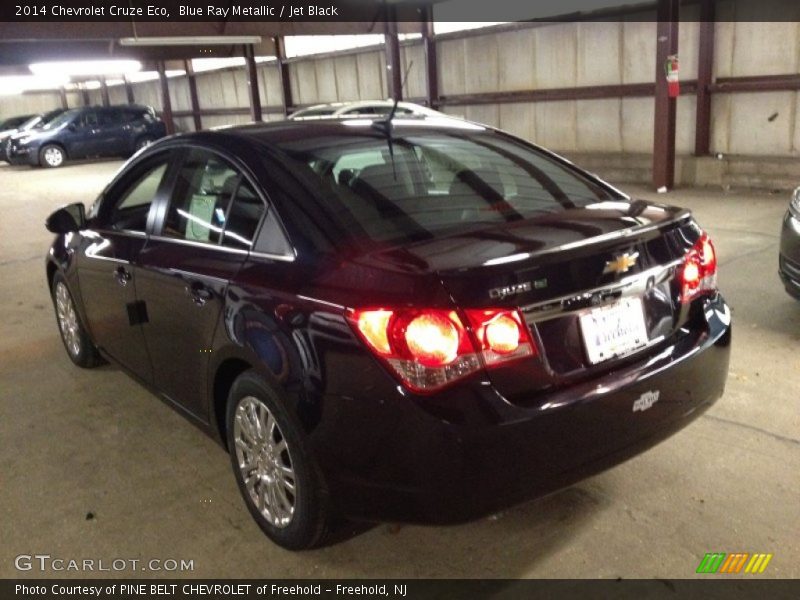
x,y
363,108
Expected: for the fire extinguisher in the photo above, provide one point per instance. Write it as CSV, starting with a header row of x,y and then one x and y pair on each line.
x,y
673,83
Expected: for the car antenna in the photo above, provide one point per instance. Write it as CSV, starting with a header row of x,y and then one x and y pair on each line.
x,y
385,125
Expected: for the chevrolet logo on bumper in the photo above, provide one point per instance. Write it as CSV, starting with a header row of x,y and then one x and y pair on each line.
x,y
621,263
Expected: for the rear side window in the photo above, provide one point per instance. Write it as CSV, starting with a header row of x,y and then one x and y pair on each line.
x,y
131,115
243,219
131,200
110,118
89,119
203,191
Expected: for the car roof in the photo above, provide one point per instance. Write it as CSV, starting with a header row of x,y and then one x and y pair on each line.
x,y
277,132
135,107
342,107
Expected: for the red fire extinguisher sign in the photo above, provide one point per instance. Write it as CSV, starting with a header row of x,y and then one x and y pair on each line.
x,y
672,69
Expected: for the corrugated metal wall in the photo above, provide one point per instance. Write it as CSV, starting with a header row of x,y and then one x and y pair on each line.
x,y
552,56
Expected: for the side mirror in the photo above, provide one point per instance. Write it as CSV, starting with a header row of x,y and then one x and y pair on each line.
x,y
67,218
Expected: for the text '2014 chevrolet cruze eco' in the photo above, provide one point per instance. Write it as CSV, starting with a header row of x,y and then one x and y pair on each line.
x,y
417,319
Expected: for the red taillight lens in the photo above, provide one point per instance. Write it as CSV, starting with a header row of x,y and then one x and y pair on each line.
x,y
698,274
429,348
432,339
374,325
501,334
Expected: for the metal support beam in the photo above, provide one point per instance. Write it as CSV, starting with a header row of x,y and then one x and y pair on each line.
x,y
166,103
104,91
394,81
283,72
63,94
431,63
191,78
85,97
252,83
665,107
128,90
705,68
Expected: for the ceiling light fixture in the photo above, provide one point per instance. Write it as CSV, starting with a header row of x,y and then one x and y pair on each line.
x,y
197,40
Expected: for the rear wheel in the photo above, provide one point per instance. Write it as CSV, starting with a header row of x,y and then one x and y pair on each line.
x,y
276,474
52,156
79,346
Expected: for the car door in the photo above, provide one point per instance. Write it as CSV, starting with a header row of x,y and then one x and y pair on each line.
x,y
183,273
108,250
82,137
110,137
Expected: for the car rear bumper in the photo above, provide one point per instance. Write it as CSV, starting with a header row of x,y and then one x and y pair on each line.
x,y
432,470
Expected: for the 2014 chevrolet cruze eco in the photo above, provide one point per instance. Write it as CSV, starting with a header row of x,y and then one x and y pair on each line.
x,y
424,320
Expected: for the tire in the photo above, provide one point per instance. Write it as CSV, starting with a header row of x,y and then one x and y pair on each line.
x,y
77,343
142,142
52,156
285,492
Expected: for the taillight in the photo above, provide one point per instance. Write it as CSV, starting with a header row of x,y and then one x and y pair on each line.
x,y
430,348
698,274
501,334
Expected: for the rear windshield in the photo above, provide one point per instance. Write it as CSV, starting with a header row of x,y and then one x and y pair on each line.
x,y
426,185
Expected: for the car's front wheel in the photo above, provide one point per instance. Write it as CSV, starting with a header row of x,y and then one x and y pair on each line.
x,y
52,156
277,476
79,346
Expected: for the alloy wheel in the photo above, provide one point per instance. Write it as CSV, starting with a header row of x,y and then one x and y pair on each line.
x,y
53,156
68,320
264,461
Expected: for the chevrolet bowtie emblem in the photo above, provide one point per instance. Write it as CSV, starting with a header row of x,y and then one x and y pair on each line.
x,y
621,263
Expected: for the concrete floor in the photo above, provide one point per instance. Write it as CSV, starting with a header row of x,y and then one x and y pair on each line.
x,y
74,442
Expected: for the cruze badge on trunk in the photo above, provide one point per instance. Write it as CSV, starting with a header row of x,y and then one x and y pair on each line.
x,y
509,290
621,263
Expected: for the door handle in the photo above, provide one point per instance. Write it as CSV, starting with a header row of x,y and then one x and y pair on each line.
x,y
199,293
122,275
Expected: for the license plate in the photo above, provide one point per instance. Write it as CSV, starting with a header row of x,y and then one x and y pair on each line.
x,y
614,330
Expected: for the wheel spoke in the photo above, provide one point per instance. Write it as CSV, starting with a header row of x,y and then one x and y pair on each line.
x,y
243,446
281,488
247,430
250,483
273,497
255,423
261,500
289,485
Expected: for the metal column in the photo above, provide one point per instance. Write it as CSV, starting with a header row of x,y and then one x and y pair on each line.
x,y
705,67
166,103
252,83
665,113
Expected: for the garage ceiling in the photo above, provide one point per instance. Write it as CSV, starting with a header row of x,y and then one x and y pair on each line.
x,y
22,43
